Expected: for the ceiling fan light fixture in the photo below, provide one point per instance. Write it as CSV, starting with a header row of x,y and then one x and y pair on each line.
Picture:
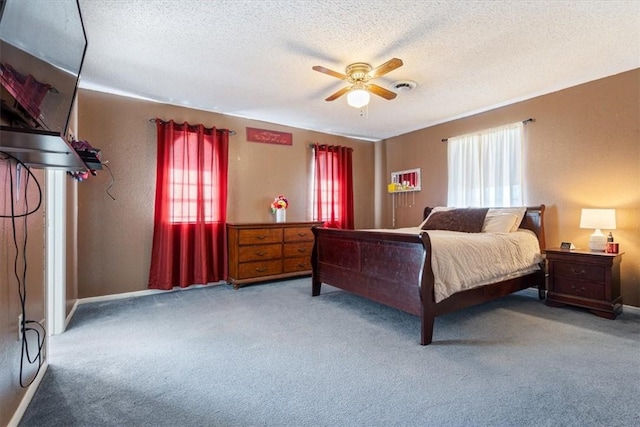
x,y
358,98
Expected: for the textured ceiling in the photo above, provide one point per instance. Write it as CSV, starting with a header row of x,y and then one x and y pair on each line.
x,y
253,59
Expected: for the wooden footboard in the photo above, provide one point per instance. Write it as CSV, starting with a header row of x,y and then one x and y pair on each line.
x,y
395,270
392,269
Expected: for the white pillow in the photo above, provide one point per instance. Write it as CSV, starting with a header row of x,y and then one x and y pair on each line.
x,y
433,210
499,223
519,212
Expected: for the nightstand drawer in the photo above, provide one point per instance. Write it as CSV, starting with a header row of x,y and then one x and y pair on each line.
x,y
258,269
259,252
578,288
259,235
569,270
298,249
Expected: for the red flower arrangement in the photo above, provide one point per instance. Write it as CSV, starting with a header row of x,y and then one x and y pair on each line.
x,y
279,202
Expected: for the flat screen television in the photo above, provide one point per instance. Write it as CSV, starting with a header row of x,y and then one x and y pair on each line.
x,y
43,44
42,49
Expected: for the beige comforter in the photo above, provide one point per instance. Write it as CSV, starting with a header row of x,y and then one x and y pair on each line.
x,y
466,260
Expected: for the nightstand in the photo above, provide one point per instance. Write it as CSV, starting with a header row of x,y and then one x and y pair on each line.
x,y
585,279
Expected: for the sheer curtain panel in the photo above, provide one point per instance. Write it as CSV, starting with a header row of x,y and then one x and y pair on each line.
x,y
485,168
189,236
333,186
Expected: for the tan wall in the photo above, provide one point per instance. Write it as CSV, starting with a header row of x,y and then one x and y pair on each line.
x,y
114,237
582,151
10,348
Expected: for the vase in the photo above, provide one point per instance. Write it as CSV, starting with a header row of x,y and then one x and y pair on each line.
x,y
281,215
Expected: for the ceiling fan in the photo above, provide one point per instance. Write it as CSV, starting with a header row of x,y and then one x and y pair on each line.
x,y
359,74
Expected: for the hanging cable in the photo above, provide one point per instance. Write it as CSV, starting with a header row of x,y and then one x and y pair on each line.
x,y
113,180
21,273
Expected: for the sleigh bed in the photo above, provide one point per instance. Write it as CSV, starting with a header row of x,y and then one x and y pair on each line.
x,y
394,268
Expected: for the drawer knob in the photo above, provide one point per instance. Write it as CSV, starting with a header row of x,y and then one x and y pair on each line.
x,y
261,269
261,237
302,250
261,253
578,272
302,234
302,264
575,288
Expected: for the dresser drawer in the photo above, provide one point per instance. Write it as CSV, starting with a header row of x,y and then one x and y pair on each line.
x,y
292,265
578,288
259,252
574,271
249,270
298,249
253,236
298,234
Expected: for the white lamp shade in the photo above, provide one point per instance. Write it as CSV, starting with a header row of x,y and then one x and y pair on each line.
x,y
358,98
598,219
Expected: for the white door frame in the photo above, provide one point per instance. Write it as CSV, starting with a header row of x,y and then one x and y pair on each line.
x,y
56,250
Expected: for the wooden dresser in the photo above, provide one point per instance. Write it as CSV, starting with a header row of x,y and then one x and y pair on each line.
x,y
261,252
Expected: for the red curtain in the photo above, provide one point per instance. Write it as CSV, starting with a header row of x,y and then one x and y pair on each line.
x,y
189,236
333,186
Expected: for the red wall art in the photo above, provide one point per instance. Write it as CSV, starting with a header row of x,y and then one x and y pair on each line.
x,y
269,136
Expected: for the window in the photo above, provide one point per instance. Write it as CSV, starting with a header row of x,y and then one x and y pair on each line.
x,y
191,188
328,202
485,168
183,193
332,200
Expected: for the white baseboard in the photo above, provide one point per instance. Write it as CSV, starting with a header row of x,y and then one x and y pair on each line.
x,y
28,396
531,291
629,308
142,293
71,313
118,296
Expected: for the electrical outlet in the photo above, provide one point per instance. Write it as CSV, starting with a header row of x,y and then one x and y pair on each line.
x,y
20,327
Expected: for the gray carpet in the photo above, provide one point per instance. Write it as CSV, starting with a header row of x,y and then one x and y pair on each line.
x,y
272,355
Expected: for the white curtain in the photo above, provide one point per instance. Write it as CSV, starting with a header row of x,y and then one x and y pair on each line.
x,y
485,168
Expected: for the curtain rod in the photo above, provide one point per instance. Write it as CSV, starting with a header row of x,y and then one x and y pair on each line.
x,y
328,145
231,132
524,122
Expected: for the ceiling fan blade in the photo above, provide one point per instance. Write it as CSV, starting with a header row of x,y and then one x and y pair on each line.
x,y
339,93
380,91
383,69
329,72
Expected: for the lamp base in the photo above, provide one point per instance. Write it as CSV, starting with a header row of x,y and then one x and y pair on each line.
x,y
597,242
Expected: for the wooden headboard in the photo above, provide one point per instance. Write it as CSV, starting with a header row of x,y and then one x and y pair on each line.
x,y
533,220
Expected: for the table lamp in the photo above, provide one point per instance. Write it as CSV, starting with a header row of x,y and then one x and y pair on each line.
x,y
598,219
